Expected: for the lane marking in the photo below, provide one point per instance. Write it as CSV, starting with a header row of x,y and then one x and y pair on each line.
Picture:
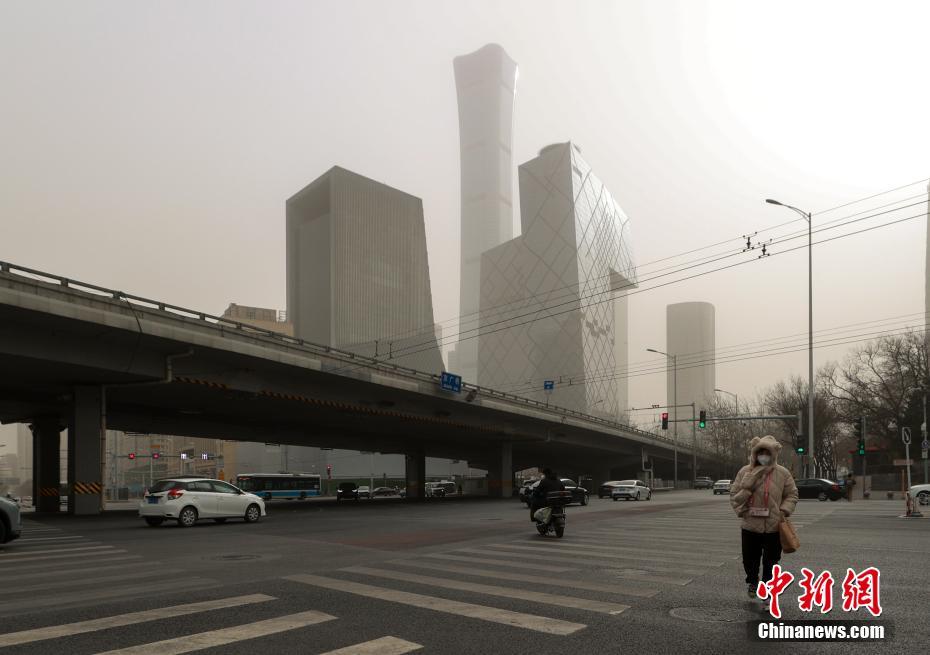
x,y
595,555
493,590
58,584
56,567
680,555
104,553
25,540
588,563
500,562
225,636
30,549
437,604
16,556
533,579
86,597
382,646
120,620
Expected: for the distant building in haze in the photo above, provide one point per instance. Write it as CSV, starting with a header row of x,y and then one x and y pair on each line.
x,y
357,270
485,83
553,300
690,334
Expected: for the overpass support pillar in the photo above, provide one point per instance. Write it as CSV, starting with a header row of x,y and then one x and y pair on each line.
x,y
46,464
416,476
500,473
85,453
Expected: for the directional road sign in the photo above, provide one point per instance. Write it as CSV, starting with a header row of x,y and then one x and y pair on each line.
x,y
451,382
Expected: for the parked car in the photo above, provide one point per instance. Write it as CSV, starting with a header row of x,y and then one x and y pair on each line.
x,y
722,487
605,489
631,490
703,483
819,488
364,492
525,492
347,490
921,492
579,494
190,500
11,521
383,491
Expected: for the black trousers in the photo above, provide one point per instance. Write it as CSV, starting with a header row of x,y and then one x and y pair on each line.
x,y
760,545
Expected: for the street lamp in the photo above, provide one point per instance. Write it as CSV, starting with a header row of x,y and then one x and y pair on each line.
x,y
810,332
674,359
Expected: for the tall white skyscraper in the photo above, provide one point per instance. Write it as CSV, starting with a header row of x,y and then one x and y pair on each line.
x,y
690,333
485,82
554,299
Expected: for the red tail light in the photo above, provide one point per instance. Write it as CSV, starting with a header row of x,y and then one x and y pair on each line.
x,y
175,493
835,487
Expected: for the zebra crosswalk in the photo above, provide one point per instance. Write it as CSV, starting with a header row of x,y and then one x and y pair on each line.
x,y
596,577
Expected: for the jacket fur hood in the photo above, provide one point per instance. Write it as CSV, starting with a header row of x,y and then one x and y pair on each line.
x,y
768,442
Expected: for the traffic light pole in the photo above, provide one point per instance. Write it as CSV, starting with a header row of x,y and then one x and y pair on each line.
x,y
693,445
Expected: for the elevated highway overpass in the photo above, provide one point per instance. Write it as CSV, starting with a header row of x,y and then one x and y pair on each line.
x,y
87,358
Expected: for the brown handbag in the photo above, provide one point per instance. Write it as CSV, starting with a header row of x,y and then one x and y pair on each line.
x,y
788,536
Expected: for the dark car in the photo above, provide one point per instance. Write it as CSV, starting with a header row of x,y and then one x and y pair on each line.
x,y
347,490
703,483
579,494
384,491
607,488
819,488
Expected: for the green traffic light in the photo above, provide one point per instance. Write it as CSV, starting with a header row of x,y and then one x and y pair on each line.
x,y
702,425
799,450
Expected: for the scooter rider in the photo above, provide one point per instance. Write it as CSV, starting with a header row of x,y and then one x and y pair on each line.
x,y
549,483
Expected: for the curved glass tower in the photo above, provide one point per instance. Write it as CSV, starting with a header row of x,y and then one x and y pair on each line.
x,y
485,82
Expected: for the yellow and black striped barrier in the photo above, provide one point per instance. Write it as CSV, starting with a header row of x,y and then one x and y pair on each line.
x,y
88,488
49,491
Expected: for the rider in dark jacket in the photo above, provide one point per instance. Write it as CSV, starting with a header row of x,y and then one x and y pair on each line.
x,y
550,482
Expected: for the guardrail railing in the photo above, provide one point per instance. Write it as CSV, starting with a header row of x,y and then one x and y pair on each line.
x,y
346,357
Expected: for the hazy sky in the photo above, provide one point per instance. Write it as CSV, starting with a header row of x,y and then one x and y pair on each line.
x,y
151,146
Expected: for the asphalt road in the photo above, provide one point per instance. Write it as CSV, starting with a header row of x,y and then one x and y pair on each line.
x,y
445,576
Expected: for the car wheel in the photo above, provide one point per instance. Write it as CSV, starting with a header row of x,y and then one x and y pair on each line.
x,y
303,495
2,533
822,496
154,521
614,498
649,496
924,498
253,513
584,500
187,517
223,520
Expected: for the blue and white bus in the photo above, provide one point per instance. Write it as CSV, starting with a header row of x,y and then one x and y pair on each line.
x,y
280,485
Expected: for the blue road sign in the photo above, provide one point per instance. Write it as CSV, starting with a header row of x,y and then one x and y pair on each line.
x,y
451,382
549,385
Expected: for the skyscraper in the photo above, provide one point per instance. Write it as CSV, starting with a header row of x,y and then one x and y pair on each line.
x,y
553,303
485,82
357,270
690,334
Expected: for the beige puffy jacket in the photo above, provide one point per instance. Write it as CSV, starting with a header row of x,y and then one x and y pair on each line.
x,y
750,485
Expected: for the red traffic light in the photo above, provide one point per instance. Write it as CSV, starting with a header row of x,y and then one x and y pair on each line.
x,y
156,455
665,420
132,455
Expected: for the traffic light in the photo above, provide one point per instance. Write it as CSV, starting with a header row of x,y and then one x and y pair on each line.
x,y
132,455
702,423
665,420
799,446
859,427
156,455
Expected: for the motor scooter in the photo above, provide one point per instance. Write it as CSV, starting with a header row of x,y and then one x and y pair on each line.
x,y
551,518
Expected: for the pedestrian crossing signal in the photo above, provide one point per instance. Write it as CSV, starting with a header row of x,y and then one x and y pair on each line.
x,y
702,423
665,420
132,455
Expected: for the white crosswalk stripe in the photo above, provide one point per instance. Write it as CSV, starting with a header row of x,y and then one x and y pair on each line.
x,y
9,563
445,605
585,562
488,561
493,590
225,636
608,555
382,646
121,620
625,590
20,556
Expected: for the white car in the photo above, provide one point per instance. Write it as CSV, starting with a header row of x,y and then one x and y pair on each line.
x,y
189,499
921,492
631,490
722,487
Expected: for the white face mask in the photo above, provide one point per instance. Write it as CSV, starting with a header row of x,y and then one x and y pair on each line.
x,y
764,460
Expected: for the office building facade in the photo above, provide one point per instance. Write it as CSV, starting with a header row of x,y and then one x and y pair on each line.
x,y
690,335
553,303
485,83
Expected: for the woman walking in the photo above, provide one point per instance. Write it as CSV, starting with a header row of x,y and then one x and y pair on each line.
x,y
762,495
